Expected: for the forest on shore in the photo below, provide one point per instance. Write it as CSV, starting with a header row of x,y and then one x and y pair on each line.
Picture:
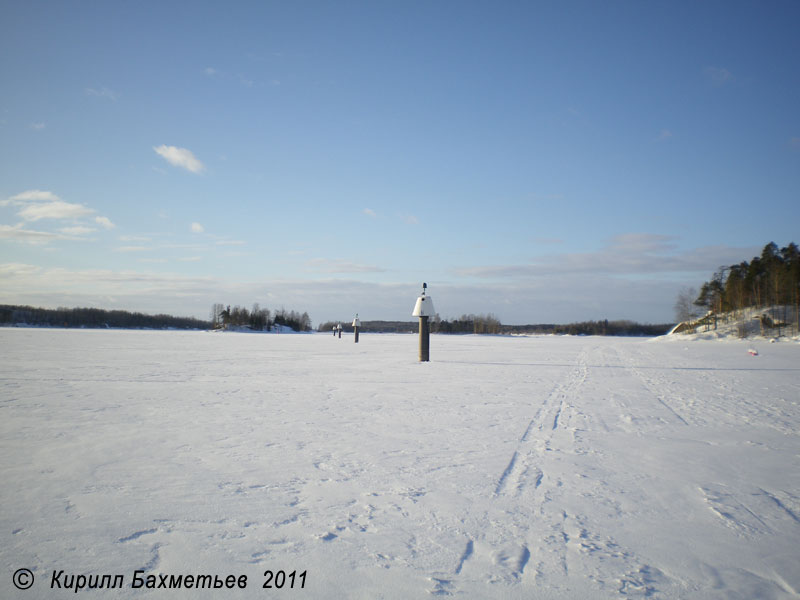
x,y
222,317
93,318
770,281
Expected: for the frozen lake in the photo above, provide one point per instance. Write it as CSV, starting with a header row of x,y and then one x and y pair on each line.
x,y
542,467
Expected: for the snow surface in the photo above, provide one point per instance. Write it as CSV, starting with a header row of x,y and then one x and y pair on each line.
x,y
508,467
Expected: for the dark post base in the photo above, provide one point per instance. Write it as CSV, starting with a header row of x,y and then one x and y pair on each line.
x,y
424,340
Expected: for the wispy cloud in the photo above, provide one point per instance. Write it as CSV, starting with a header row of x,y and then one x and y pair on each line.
x,y
104,222
33,196
102,92
210,71
718,76
632,254
327,265
10,270
410,219
18,233
128,249
180,157
56,209
38,126
369,212
46,285
197,228
77,230
39,204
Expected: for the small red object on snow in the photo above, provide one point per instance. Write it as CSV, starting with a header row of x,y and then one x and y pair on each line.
x,y
753,352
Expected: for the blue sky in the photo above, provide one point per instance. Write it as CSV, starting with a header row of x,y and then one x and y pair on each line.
x,y
545,162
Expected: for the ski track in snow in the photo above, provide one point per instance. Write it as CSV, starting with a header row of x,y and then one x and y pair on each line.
x,y
506,467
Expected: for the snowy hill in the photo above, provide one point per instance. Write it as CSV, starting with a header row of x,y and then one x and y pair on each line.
x,y
776,323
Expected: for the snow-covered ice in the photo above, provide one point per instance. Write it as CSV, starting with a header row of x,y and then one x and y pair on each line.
x,y
507,467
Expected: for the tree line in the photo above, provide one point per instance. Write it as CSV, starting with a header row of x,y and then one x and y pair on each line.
x,y
492,325
222,316
257,319
771,280
488,323
605,327
93,318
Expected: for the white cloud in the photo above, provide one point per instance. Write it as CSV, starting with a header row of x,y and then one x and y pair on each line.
x,y
38,126
34,196
36,205
55,282
197,228
410,219
40,204
369,212
102,92
18,234
104,222
9,270
77,230
57,209
180,157
210,71
132,249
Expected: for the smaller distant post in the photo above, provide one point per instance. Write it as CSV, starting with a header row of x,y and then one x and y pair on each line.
x,y
424,310
334,330
356,326
339,329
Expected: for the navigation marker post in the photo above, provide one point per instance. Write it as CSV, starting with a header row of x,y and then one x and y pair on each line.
x,y
424,310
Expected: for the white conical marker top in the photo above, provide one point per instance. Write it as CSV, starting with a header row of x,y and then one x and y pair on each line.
x,y
423,307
